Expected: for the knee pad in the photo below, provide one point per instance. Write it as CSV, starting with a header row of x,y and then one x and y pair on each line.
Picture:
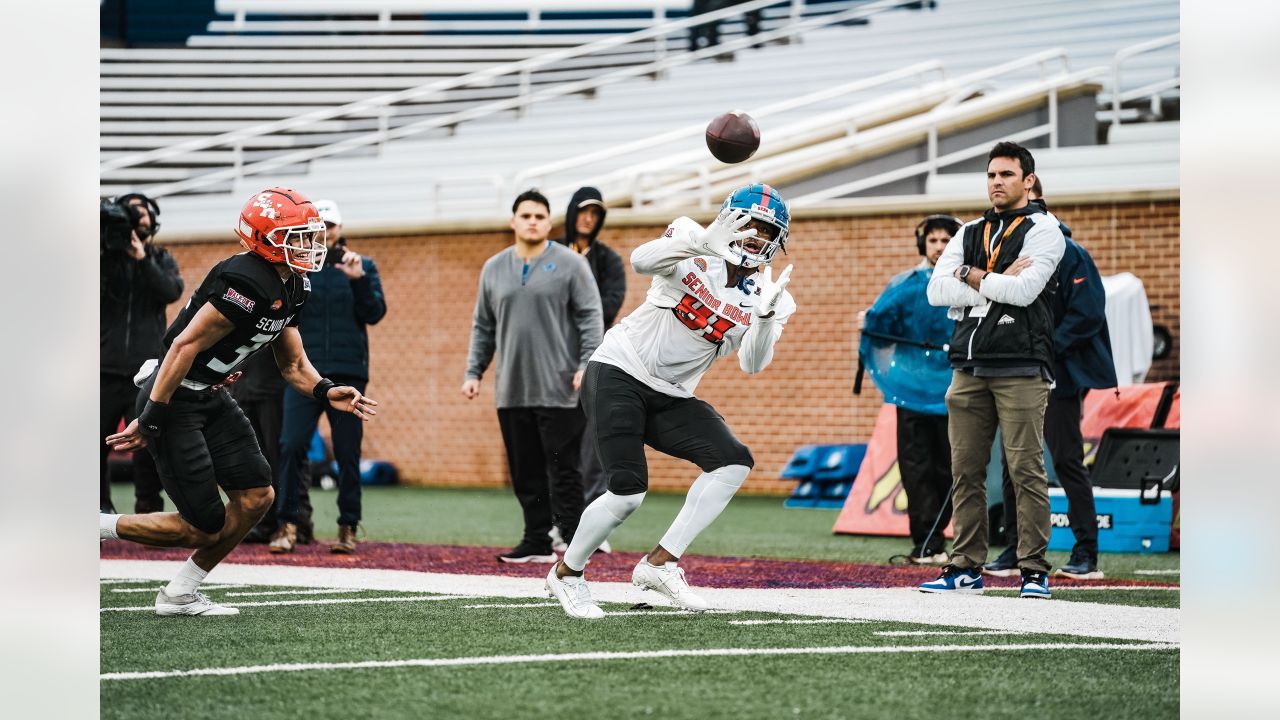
x,y
621,506
209,519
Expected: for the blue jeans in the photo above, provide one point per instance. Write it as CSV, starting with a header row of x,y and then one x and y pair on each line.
x,y
301,415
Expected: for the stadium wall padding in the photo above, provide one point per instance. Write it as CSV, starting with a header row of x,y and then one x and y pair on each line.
x,y
418,352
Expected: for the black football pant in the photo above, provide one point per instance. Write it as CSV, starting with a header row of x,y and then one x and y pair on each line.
x,y
924,460
116,400
1066,447
301,415
626,415
544,448
208,442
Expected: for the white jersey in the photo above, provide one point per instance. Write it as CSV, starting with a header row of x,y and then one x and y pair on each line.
x,y
689,318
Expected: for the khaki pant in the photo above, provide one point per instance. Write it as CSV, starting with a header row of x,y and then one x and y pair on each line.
x,y
975,405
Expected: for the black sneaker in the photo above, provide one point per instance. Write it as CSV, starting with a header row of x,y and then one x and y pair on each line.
x,y
1004,566
523,553
1082,566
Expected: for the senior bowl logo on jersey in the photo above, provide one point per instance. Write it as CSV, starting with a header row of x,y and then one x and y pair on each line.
x,y
702,264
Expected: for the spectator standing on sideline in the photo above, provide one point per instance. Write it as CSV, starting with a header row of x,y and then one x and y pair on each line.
x,y
709,32
1082,361
260,394
346,297
539,308
583,222
924,453
135,284
999,277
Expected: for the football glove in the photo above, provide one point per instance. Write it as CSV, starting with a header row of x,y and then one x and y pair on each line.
x,y
722,233
771,291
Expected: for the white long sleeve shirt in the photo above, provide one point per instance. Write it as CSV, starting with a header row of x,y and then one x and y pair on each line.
x,y
689,318
1043,243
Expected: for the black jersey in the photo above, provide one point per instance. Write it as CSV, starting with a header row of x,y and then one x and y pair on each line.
x,y
246,289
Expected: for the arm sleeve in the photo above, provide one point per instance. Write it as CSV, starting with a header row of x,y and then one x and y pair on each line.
x,y
944,289
758,341
585,299
160,271
613,287
370,304
660,257
482,332
1084,298
1044,244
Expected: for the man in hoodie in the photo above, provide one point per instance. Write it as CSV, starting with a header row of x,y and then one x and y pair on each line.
x,y
583,221
136,282
1082,361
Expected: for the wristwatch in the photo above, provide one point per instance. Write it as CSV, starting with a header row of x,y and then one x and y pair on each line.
x,y
964,272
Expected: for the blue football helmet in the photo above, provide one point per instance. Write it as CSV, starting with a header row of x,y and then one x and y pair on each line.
x,y
761,202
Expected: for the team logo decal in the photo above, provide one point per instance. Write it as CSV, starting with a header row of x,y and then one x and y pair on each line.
x,y
277,304
702,264
232,296
268,208
306,283
549,267
670,232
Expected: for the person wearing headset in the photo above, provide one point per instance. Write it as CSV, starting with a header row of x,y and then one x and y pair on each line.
x,y
924,452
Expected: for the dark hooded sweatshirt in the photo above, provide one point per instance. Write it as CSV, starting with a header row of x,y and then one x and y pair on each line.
x,y
605,263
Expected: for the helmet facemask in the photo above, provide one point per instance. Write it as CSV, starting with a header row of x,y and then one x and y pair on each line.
x,y
305,246
768,249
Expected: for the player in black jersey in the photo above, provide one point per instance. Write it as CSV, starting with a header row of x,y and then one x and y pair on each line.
x,y
200,438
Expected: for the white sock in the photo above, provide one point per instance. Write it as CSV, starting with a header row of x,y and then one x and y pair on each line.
x,y
600,519
187,580
708,497
107,526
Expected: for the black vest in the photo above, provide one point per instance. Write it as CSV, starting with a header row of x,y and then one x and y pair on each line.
x,y
1008,335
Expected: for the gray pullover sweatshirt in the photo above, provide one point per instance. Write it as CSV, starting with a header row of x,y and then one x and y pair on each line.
x,y
544,320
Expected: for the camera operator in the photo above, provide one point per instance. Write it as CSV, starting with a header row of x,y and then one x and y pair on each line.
x,y
137,280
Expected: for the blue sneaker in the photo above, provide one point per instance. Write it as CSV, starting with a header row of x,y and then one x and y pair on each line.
x,y
1035,584
956,580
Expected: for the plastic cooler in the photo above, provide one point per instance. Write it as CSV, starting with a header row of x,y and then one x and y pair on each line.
x,y
1127,522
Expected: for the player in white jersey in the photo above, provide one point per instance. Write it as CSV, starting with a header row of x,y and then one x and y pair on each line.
x,y
713,294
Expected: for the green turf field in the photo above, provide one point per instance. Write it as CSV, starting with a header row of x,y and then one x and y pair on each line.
x,y
426,655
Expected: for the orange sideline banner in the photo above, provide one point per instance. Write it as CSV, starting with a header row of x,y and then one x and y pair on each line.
x,y
877,505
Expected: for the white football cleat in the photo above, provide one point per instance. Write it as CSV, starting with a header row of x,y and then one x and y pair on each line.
x,y
574,596
196,603
667,579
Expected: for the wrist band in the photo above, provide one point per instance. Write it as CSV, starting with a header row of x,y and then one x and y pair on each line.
x,y
153,418
321,390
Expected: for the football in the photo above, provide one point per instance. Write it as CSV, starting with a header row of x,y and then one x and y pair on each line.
x,y
733,137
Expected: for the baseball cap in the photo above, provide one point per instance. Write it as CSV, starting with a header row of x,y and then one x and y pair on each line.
x,y
328,210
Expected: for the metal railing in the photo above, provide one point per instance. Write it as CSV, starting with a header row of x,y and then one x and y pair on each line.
x,y
381,105
1152,90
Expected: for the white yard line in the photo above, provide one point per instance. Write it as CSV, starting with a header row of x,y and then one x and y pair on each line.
x,y
1056,588
153,588
121,581
1087,619
326,601
641,655
1158,572
317,591
815,621
488,606
930,633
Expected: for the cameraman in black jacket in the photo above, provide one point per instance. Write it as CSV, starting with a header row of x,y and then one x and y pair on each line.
x,y
137,280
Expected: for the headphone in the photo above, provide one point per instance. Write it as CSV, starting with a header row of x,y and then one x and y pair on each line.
x,y
920,228
152,207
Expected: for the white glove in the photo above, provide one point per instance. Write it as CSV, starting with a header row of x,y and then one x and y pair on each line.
x,y
722,233
770,291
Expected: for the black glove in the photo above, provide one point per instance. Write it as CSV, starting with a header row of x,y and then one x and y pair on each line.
x,y
154,418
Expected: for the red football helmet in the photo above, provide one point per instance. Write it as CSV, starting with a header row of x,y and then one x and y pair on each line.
x,y
283,226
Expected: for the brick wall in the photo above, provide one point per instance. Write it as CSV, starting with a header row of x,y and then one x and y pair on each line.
x,y
437,437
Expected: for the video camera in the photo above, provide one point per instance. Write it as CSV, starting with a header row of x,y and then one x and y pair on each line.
x,y
118,218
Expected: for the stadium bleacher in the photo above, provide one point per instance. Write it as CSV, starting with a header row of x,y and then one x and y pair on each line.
x,y
466,166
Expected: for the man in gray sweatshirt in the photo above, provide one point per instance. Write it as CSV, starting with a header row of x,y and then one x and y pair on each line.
x,y
539,308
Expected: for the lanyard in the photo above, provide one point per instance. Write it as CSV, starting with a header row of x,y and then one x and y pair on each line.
x,y
1000,237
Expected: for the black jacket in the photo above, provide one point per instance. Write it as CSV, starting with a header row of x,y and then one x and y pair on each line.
x,y
605,263
334,318
1008,335
1081,339
132,298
